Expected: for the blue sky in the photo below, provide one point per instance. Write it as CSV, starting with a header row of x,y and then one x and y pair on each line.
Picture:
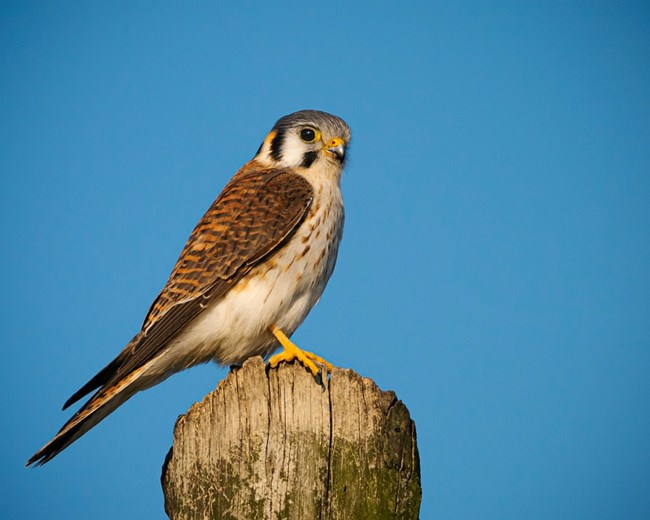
x,y
495,265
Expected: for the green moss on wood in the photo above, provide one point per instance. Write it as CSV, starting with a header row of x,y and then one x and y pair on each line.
x,y
354,455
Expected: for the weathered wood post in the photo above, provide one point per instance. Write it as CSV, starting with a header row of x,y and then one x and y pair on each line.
x,y
276,444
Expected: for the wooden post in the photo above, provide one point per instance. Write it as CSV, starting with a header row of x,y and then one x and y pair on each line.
x,y
277,444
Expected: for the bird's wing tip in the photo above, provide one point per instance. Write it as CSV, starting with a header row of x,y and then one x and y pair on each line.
x,y
35,460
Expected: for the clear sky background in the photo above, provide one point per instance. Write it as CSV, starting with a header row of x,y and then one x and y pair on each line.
x,y
495,269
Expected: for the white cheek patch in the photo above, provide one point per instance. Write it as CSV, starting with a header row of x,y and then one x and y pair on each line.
x,y
293,150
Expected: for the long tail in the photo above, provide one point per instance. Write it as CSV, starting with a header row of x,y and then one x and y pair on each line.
x,y
103,403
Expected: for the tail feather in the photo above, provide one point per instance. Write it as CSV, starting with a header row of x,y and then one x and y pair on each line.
x,y
70,432
98,407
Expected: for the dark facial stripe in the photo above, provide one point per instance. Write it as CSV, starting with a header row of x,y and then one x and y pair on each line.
x,y
309,158
276,144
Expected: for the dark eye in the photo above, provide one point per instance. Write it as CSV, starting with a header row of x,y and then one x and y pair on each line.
x,y
308,135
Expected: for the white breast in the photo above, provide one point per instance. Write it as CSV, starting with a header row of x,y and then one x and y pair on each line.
x,y
281,291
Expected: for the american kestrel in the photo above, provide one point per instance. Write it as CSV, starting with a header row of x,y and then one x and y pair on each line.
x,y
251,271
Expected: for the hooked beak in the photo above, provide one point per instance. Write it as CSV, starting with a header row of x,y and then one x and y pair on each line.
x,y
336,147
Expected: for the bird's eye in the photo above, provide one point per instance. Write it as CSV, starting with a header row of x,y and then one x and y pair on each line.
x,y
308,135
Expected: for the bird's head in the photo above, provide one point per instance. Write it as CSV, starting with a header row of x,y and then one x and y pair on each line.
x,y
306,139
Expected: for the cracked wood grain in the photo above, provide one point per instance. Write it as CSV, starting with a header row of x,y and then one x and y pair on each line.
x,y
275,444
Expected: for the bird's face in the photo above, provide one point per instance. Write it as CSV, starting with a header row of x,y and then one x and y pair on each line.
x,y
309,140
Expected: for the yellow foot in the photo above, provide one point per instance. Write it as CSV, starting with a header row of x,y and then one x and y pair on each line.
x,y
291,352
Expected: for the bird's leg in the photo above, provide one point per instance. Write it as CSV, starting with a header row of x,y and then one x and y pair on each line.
x,y
291,352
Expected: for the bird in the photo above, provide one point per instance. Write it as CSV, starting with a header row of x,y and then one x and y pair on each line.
x,y
251,270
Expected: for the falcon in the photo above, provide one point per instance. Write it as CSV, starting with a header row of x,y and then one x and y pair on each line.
x,y
250,272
